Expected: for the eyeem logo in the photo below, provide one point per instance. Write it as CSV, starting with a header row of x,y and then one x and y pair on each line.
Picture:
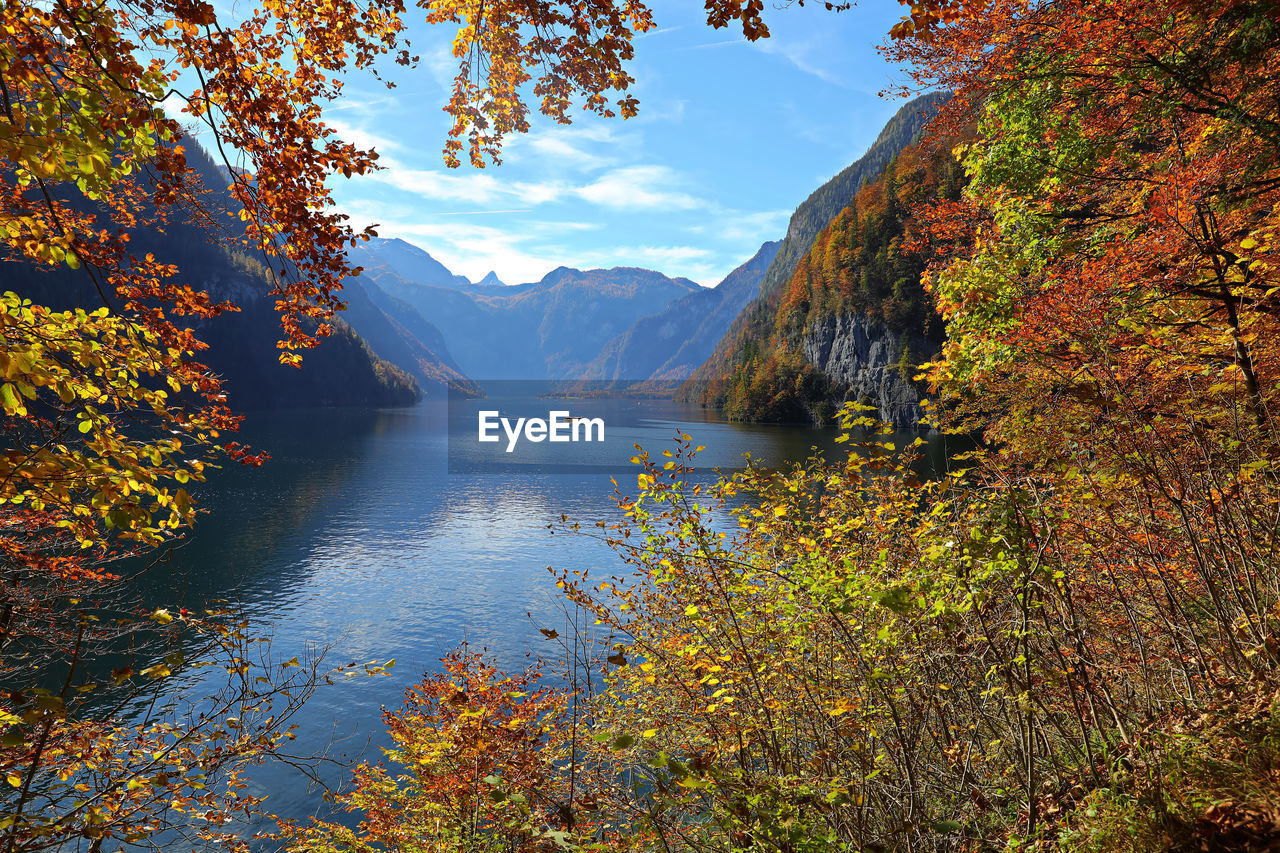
x,y
559,426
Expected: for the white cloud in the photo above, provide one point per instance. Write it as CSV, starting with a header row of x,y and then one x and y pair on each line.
x,y
659,31
583,147
533,192
527,251
639,187
802,55
361,138
472,249
665,109
633,187
560,150
562,227
726,43
472,185
647,256
359,103
752,228
440,63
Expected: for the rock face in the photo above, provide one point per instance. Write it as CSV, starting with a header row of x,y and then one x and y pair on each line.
x,y
862,359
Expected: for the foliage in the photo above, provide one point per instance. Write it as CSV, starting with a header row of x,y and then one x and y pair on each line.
x,y
842,657
1114,238
477,768
1073,641
1201,780
75,773
110,411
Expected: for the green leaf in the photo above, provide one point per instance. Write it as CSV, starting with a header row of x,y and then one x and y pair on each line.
x,y
9,399
895,598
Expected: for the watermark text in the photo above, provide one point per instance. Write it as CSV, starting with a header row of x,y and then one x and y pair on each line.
x,y
558,426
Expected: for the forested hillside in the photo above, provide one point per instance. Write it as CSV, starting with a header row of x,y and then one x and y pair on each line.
x,y
852,321
709,384
241,344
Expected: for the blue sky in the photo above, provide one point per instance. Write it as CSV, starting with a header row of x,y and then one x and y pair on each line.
x,y
731,136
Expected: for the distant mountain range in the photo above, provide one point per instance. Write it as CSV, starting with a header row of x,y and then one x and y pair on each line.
x,y
550,329
383,255
730,345
402,336
783,332
668,346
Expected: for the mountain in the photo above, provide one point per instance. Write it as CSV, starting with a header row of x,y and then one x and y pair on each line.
x,y
342,371
848,320
490,280
408,261
400,335
669,345
549,329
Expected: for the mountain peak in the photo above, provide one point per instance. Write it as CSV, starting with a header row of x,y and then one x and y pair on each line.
x,y
491,280
396,244
411,262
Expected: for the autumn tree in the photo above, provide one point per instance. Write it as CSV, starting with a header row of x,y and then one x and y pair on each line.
x,y
1071,640
110,412
474,767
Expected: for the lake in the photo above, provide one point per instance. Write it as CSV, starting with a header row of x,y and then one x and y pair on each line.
x,y
385,535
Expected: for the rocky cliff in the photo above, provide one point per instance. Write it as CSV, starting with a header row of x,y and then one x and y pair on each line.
x,y
863,361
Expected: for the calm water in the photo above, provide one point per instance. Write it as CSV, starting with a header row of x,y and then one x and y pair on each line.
x,y
358,535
